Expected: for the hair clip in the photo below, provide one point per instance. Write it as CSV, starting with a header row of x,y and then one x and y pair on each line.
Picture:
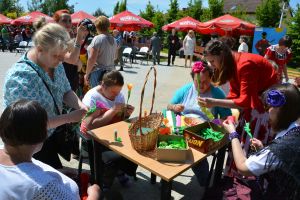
x,y
275,98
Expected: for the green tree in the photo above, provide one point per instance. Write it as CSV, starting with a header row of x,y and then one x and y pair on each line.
x,y
293,31
194,9
116,8
149,12
268,13
49,7
215,9
123,6
99,12
159,21
34,5
173,11
10,6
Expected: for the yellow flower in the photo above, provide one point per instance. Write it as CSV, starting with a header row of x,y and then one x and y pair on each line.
x,y
165,121
129,86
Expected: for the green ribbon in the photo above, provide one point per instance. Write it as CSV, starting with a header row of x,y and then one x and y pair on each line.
x,y
209,133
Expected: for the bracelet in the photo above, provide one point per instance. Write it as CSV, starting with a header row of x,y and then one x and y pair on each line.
x,y
76,45
233,135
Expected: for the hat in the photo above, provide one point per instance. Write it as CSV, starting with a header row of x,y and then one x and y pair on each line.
x,y
198,67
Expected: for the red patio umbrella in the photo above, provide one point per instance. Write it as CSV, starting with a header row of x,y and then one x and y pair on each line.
x,y
4,19
127,21
184,24
226,25
79,16
30,18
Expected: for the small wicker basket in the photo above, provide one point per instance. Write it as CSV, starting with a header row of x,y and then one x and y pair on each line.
x,y
146,142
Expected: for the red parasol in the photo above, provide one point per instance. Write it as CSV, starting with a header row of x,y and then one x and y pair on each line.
x,y
127,21
30,18
79,16
4,19
226,25
184,24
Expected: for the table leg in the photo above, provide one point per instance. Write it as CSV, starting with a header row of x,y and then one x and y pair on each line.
x,y
98,164
219,164
166,188
153,178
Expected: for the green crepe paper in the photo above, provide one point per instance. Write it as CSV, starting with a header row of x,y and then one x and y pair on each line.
x,y
205,110
172,144
173,119
178,130
164,113
209,133
248,130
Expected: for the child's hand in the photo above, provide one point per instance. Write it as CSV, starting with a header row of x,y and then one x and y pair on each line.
x,y
229,126
257,144
118,108
129,110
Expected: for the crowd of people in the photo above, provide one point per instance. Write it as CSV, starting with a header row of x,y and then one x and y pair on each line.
x,y
47,79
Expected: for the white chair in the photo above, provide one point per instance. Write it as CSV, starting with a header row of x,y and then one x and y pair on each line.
x,y
127,53
30,44
143,54
22,47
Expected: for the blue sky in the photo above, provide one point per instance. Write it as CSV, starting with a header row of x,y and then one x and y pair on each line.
x,y
132,5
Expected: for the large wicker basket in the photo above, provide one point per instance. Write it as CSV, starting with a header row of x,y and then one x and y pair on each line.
x,y
146,142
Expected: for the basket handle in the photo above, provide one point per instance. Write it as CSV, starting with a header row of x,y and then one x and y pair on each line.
x,y
142,94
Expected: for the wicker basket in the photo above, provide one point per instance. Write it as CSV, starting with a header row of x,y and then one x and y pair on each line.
x,y
148,141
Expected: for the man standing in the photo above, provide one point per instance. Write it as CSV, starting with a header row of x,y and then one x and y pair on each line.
x,y
120,49
173,42
155,46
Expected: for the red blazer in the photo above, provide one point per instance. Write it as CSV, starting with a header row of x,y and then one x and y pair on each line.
x,y
253,75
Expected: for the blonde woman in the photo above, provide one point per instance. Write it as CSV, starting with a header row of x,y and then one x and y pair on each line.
x,y
39,75
189,44
101,51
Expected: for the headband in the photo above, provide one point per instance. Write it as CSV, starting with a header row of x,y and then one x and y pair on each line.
x,y
275,98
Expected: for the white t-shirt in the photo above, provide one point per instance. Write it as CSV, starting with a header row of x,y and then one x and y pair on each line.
x,y
256,163
92,96
35,180
243,47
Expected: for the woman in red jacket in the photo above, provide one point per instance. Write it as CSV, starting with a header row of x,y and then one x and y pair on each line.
x,y
249,76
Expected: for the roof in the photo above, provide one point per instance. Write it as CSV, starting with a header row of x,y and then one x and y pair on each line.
x,y
248,5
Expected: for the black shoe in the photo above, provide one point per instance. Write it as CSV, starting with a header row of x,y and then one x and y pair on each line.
x,y
121,69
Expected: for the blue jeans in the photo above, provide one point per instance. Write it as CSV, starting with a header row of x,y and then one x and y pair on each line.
x,y
96,77
201,171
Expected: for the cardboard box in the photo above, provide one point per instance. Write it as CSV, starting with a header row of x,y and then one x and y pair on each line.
x,y
199,143
171,155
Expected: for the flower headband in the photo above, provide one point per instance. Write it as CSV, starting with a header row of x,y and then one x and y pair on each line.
x,y
275,98
198,67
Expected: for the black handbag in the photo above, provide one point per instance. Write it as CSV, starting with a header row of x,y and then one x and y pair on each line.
x,y
63,136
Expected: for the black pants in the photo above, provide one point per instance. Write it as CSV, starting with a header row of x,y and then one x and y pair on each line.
x,y
171,53
48,154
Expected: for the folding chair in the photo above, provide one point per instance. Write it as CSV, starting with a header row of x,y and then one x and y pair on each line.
x,y
30,45
127,53
143,54
22,47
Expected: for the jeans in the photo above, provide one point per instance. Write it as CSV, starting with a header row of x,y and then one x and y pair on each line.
x,y
155,56
201,171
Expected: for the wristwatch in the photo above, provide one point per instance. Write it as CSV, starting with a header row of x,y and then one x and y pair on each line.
x,y
233,135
